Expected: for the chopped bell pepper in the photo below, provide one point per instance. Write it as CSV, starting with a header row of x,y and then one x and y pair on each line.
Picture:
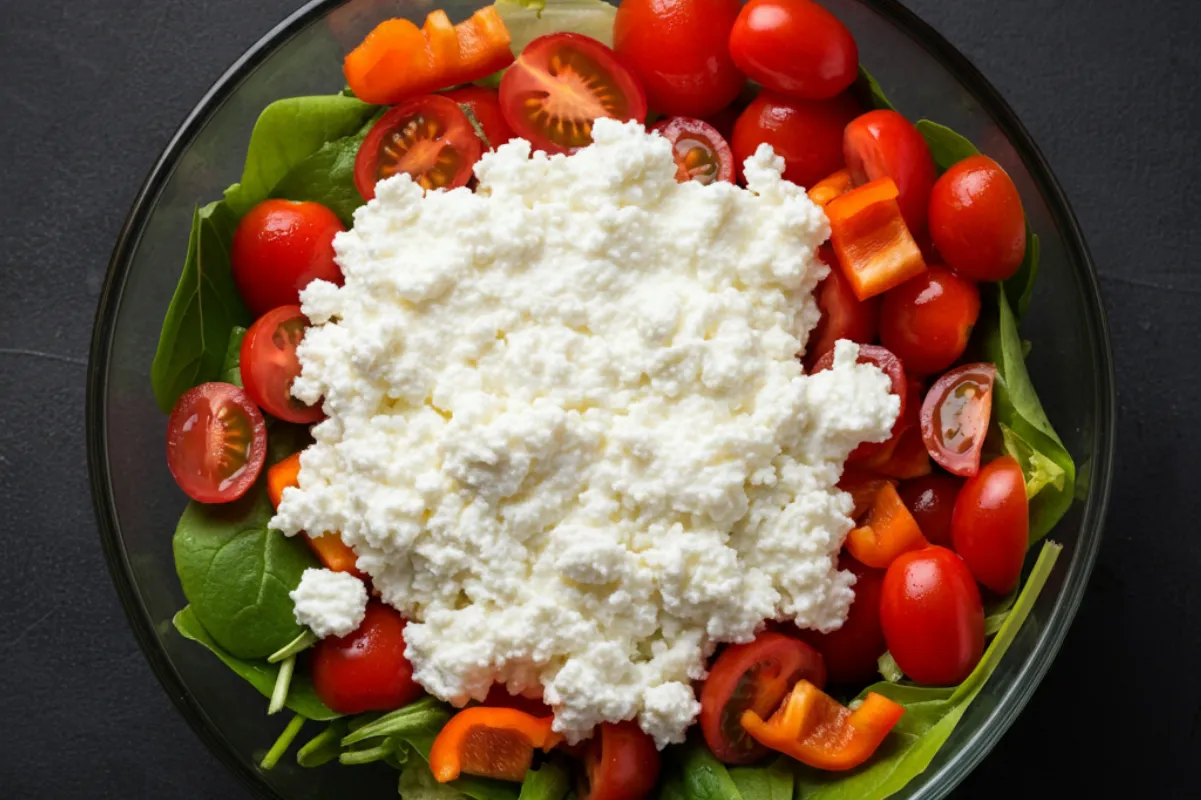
x,y
887,531
282,475
817,730
491,743
329,548
832,186
905,456
873,245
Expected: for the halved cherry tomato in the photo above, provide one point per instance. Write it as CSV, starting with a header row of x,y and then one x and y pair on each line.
x,y
932,616
621,763
216,442
560,85
891,366
883,144
278,248
807,134
753,676
976,220
485,105
701,153
269,364
844,316
679,50
990,526
851,652
928,319
955,417
795,47
367,670
931,501
428,137
491,743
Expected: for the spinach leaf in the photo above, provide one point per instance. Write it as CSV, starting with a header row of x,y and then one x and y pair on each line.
x,y
231,367
691,772
237,573
259,674
205,306
770,782
867,91
1020,287
529,19
947,146
551,781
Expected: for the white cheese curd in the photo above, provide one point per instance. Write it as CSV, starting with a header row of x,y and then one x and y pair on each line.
x,y
568,434
329,603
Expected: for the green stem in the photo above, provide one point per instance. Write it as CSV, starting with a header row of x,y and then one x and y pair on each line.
x,y
279,695
282,743
367,756
303,642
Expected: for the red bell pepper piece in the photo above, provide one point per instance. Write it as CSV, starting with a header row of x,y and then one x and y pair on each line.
x,y
873,245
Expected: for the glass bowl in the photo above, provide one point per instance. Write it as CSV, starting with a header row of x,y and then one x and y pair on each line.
x,y
137,503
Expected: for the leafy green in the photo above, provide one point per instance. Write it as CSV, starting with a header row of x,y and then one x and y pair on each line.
x,y
773,781
231,367
947,146
417,724
237,573
327,177
1020,287
289,734
888,668
867,91
1040,470
529,19
691,772
259,674
551,781
324,747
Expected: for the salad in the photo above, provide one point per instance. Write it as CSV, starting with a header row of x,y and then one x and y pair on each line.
x,y
615,402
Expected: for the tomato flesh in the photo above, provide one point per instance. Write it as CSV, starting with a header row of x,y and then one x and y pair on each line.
x,y
955,417
891,366
621,763
928,319
216,443
270,365
990,525
484,103
701,153
366,670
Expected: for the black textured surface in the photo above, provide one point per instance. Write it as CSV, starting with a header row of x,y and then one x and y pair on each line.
x,y
89,94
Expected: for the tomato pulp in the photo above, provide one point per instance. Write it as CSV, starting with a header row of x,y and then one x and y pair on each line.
x,y
216,443
955,416
700,152
269,364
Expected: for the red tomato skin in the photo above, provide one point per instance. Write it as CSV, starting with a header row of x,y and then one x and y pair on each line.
x,y
962,461
268,369
678,130
990,526
807,134
795,47
278,248
843,315
931,501
456,136
883,144
932,616
189,447
976,220
928,319
485,105
851,653
367,669
622,763
679,50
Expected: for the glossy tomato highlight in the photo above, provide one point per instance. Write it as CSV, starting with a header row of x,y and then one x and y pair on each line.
x,y
807,134
216,442
366,670
955,416
976,220
928,319
883,144
269,364
990,526
931,501
795,47
427,137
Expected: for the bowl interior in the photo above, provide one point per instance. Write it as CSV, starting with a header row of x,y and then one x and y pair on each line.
x,y
138,503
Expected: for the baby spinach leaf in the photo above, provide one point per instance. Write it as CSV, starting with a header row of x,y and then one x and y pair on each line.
x,y
691,772
551,781
231,367
947,146
773,781
237,573
529,19
867,91
1020,287
259,674
326,177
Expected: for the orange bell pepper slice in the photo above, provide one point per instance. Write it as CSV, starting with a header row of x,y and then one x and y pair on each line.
x,y
331,551
397,60
280,476
886,532
873,245
832,186
817,730
491,743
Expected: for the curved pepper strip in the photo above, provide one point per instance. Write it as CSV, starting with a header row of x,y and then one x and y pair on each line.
x,y
870,238
491,743
329,548
817,730
887,531
831,186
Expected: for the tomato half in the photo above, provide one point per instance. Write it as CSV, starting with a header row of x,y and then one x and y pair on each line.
x,y
562,83
428,137
851,653
216,442
843,316
932,616
621,763
976,220
755,676
485,105
883,144
795,47
928,319
991,524
931,501
269,364
701,153
891,366
955,417
807,134
366,670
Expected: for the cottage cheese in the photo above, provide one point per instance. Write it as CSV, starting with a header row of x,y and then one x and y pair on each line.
x,y
568,434
329,603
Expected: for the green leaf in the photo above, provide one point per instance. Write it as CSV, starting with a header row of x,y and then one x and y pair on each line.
x,y
237,573
324,747
1020,287
691,772
327,177
889,668
231,367
417,724
947,146
551,781
283,742
205,306
773,781
529,19
259,674
1040,471
867,91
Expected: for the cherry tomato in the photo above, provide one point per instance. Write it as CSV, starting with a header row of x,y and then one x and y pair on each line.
x,y
928,319
701,153
560,84
755,675
428,137
932,616
794,47
366,670
976,220
485,105
891,366
931,500
844,316
991,524
216,442
851,652
269,364
807,134
679,49
883,144
621,763
955,417
278,248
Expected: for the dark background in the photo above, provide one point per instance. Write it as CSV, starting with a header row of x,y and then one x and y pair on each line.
x,y
91,92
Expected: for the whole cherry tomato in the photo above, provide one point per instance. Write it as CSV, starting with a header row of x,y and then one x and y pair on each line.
x,y
485,105
366,670
891,366
795,47
955,417
931,501
807,134
927,320
883,144
991,524
278,248
269,364
679,49
976,220
621,763
700,152
851,653
216,442
844,316
932,616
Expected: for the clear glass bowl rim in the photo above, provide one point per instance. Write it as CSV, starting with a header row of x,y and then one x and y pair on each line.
x,y
1051,637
